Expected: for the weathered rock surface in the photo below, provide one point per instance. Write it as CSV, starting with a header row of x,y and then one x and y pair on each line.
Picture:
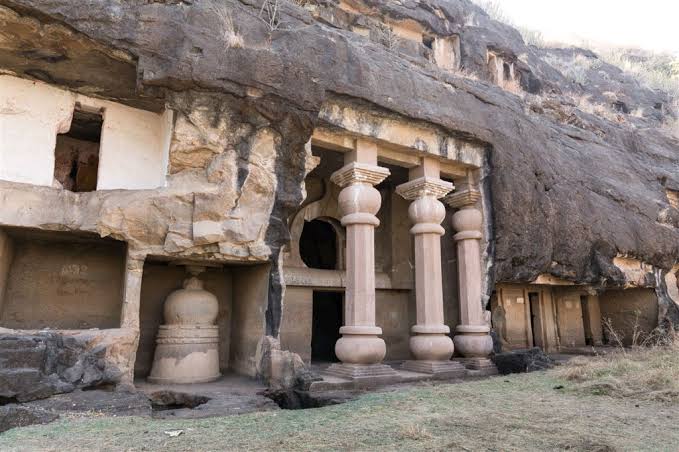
x,y
36,365
569,189
281,369
13,415
117,403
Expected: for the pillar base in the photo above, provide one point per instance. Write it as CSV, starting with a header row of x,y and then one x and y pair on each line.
x,y
360,345
479,366
186,354
433,347
367,373
443,369
473,341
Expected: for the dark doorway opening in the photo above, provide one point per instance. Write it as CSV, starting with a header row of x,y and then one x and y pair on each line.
x,y
534,300
318,245
76,155
326,322
507,71
586,322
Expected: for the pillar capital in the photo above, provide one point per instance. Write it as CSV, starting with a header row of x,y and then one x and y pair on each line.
x,y
468,220
359,173
426,212
424,186
463,198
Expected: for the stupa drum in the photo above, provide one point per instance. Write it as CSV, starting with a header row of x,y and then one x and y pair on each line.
x,y
187,345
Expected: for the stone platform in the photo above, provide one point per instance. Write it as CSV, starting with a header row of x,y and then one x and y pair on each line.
x,y
332,381
230,394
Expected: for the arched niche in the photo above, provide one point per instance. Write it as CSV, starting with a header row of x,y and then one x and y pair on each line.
x,y
324,210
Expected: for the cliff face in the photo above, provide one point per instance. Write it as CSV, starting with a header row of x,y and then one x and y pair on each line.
x,y
578,164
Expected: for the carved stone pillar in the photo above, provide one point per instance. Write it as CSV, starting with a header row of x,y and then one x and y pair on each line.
x,y
130,312
430,344
472,336
134,269
360,349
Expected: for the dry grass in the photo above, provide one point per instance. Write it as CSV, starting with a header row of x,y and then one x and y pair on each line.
x,y
648,370
303,3
583,103
270,15
230,33
494,10
510,413
575,68
414,432
513,86
387,37
652,70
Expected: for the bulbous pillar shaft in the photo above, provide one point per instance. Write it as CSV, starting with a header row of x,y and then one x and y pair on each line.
x,y
472,337
426,212
359,201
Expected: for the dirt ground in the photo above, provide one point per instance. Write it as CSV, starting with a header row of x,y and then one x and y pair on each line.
x,y
538,411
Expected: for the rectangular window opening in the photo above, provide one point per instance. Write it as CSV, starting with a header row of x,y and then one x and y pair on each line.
x,y
76,156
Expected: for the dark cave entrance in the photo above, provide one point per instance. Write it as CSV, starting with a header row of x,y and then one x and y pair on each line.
x,y
318,245
326,322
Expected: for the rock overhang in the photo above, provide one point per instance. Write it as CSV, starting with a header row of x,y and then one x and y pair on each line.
x,y
298,67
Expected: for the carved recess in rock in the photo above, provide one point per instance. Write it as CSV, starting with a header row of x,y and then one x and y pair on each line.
x,y
187,344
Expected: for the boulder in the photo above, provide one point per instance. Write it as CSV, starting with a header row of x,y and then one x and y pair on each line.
x,y
38,364
14,415
281,369
518,361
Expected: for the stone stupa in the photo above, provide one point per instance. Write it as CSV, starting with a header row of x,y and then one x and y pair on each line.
x,y
187,344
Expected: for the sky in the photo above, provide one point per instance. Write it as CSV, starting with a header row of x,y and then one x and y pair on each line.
x,y
649,24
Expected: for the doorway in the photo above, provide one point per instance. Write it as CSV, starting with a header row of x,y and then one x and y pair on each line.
x,y
534,303
326,322
586,322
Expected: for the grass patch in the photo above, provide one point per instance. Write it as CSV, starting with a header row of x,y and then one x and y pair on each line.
x,y
509,413
640,373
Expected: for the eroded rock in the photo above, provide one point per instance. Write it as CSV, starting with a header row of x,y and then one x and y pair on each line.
x,y
35,365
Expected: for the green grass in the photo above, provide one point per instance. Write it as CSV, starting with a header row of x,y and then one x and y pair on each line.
x,y
520,412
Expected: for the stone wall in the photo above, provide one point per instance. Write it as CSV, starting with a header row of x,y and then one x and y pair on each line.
x,y
395,314
546,316
248,323
627,308
63,282
6,255
296,331
134,143
568,307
